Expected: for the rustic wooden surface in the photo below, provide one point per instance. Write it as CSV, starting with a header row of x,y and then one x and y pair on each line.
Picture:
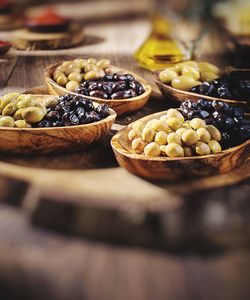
x,y
197,248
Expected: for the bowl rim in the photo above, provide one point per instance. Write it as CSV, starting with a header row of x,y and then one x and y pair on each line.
x,y
111,117
148,89
188,93
123,151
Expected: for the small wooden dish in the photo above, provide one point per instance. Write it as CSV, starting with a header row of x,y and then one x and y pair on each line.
x,y
181,96
54,139
120,106
28,40
165,168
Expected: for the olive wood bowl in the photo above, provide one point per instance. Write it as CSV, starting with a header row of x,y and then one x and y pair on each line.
x,y
165,168
120,106
54,139
181,96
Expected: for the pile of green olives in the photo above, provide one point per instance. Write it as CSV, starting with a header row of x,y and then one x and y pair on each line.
x,y
186,75
172,136
71,73
20,110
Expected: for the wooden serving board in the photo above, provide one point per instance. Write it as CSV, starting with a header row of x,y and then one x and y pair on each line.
x,y
27,40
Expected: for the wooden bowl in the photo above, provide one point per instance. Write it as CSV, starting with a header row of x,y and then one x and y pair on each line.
x,y
181,96
54,139
120,106
165,168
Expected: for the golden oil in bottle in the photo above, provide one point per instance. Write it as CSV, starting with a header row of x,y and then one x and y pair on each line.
x,y
160,49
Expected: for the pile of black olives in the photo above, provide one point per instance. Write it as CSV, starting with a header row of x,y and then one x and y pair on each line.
x,y
230,120
235,85
112,86
73,110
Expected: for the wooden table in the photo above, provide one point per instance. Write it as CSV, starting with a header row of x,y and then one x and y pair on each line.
x,y
77,230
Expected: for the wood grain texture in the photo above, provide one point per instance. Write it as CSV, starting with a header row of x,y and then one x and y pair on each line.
x,y
121,106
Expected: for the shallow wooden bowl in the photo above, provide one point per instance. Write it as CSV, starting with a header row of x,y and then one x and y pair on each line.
x,y
164,168
54,139
120,106
181,96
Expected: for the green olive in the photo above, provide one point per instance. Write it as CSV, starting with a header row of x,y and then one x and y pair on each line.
x,y
75,77
148,134
138,145
33,114
190,137
92,60
133,134
152,149
80,62
24,101
214,132
9,109
197,123
184,83
139,125
22,124
72,85
174,150
103,63
161,138
159,125
214,146
180,131
204,135
6,121
57,74
207,67
62,80
202,148
89,67
92,75
52,101
8,98
167,75
191,72
18,114
174,113
174,138
174,123
208,76
43,108
72,68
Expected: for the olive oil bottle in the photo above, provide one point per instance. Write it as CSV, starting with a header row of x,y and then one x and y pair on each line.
x,y
160,49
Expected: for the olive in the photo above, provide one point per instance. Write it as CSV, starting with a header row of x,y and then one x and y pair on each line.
x,y
214,146
93,74
204,135
174,150
160,125
139,125
42,107
174,113
8,98
174,123
119,86
208,76
207,67
148,134
197,123
138,145
191,72
178,67
152,149
80,63
174,138
92,61
180,131
184,83
22,124
18,114
167,75
133,134
72,68
72,85
202,148
98,94
24,101
57,74
74,76
90,67
119,95
51,101
161,138
6,121
214,132
33,114
103,63
62,80
190,137
9,109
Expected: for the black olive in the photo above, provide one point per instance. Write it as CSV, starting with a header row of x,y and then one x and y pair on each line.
x,y
103,110
98,94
